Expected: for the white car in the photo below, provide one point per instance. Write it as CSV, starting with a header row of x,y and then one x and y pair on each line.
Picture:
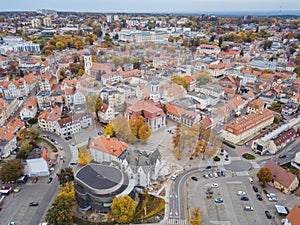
x,y
241,193
270,195
174,176
273,199
248,208
250,179
215,185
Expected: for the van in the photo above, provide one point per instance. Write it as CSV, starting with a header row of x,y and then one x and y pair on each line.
x,y
248,208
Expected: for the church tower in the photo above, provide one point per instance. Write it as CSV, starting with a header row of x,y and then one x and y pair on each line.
x,y
154,94
87,62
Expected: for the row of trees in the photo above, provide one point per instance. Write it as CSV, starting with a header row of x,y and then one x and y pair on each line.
x,y
197,140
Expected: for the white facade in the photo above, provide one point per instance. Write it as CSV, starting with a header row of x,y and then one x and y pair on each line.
x,y
7,146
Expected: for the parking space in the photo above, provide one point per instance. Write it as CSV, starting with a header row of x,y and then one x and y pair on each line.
x,y
216,210
244,217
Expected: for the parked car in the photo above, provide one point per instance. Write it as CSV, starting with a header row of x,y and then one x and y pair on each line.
x,y
250,179
70,137
218,200
273,199
258,196
241,193
255,188
270,195
49,180
66,138
268,214
208,167
282,156
244,198
248,208
215,185
33,204
194,178
35,180
12,223
206,176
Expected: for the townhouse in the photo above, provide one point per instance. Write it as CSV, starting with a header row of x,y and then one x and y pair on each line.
x,y
181,115
48,120
73,124
29,110
8,139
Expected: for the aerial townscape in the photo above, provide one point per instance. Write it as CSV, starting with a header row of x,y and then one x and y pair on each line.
x,y
136,116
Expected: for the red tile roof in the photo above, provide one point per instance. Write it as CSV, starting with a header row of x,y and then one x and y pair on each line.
x,y
294,215
109,145
280,175
245,123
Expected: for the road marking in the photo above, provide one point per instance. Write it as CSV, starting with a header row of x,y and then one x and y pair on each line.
x,y
242,173
235,158
255,165
233,182
220,222
176,222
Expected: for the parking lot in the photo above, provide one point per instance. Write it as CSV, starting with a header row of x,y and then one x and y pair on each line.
x,y
231,209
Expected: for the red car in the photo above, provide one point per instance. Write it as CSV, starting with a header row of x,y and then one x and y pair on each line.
x,y
35,180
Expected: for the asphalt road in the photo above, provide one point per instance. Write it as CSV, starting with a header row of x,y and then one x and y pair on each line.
x,y
16,206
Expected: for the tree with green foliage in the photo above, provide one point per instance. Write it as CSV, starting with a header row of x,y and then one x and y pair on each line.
x,y
66,175
94,104
276,106
60,212
264,175
123,209
25,149
34,133
204,77
11,170
22,134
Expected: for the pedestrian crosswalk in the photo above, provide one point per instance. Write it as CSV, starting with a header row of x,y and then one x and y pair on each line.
x,y
176,222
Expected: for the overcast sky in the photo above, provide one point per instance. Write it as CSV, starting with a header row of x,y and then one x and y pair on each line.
x,y
150,5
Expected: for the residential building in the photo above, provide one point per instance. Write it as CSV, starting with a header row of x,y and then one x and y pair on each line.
x,y
48,120
255,106
289,109
46,82
74,97
8,139
106,114
30,109
106,149
247,126
208,49
283,180
42,97
142,166
73,124
181,115
151,111
4,113
17,44
47,22
36,23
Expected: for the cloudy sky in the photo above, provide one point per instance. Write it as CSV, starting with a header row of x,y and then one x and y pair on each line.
x,y
150,5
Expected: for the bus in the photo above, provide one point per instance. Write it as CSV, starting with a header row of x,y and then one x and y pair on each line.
x,y
22,180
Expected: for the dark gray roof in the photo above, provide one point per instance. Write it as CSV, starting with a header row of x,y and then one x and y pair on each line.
x,y
99,176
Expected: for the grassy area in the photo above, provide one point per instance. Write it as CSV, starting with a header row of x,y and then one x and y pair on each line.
x,y
248,156
47,143
290,168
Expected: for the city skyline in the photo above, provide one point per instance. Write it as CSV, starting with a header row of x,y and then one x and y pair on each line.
x,y
154,6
